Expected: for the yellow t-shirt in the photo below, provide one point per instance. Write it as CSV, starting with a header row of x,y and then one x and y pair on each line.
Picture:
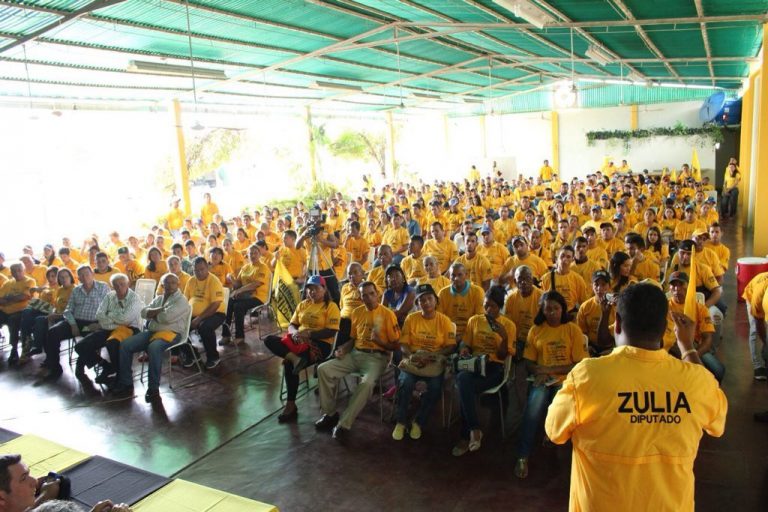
x,y
201,294
647,269
382,320
38,274
585,270
538,266
104,277
461,307
161,268
437,283
445,252
497,254
545,172
703,323
208,211
684,229
483,340
478,268
251,273
133,269
754,293
13,287
555,346
395,238
431,335
62,298
413,268
358,249
503,230
522,310
599,255
221,271
294,260
175,219
235,260
571,286
378,277
350,299
588,318
316,316
635,419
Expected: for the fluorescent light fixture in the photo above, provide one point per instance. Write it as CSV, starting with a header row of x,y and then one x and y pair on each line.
x,y
635,77
335,86
161,68
598,55
473,100
419,95
528,11
451,98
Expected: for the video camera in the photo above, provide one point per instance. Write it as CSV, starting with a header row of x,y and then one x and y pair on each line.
x,y
473,364
316,220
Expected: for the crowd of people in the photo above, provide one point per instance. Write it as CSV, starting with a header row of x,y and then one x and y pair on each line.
x,y
476,276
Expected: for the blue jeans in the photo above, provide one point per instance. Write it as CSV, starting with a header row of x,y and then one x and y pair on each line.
x,y
138,343
470,385
754,350
713,364
405,392
539,398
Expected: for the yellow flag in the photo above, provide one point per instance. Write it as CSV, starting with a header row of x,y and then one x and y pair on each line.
x,y
664,172
695,166
673,175
690,294
285,294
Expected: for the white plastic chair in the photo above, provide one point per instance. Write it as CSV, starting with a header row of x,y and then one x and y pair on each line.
x,y
145,288
508,374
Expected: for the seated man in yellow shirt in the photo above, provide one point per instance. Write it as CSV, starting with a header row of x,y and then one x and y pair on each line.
x,y
205,294
635,416
374,334
15,294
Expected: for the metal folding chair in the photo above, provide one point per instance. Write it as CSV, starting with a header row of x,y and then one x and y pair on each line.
x,y
268,307
185,340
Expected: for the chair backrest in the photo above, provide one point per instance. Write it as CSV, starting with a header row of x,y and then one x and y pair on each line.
x,y
507,369
227,291
145,288
185,334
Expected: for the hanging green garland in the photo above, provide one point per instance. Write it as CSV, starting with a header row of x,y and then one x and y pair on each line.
x,y
711,133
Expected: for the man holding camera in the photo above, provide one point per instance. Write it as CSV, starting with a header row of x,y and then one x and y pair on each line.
x,y
20,492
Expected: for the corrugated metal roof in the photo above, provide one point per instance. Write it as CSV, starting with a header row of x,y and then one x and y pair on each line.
x,y
281,47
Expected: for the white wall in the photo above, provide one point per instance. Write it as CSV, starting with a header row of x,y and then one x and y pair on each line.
x,y
525,140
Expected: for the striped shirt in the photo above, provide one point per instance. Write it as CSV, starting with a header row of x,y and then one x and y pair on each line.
x,y
114,311
83,305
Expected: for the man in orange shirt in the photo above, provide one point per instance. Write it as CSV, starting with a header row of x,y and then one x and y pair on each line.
x,y
635,416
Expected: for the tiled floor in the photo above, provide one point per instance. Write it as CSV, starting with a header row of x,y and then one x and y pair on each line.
x,y
222,432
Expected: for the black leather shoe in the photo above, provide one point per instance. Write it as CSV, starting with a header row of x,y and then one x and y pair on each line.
x,y
291,417
326,423
340,433
152,395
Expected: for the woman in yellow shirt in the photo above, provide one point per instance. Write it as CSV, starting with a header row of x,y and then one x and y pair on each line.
x,y
218,267
620,269
36,308
492,335
554,346
242,242
232,257
313,327
49,257
156,267
350,300
657,250
426,335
